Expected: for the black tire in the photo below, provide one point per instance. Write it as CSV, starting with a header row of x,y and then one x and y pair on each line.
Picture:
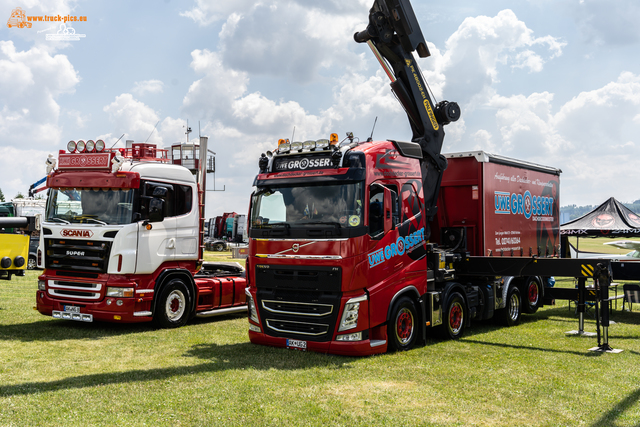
x,y
173,305
454,317
218,247
32,263
532,296
403,325
510,315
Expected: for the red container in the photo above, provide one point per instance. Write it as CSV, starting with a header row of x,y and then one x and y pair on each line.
x,y
498,206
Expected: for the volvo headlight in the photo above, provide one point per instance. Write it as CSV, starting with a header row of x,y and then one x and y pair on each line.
x,y
355,336
350,313
253,313
119,292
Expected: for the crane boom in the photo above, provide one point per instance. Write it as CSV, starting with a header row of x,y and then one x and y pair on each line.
x,y
394,34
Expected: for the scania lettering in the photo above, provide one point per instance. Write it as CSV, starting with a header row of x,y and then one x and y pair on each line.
x,y
366,254
122,238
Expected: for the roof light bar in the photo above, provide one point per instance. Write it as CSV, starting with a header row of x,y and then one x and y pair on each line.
x,y
284,147
71,146
296,146
90,146
80,146
308,145
322,144
99,145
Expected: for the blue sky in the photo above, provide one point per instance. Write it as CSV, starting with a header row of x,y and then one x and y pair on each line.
x,y
553,82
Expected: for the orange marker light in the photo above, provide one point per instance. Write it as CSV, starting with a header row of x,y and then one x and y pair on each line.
x,y
333,139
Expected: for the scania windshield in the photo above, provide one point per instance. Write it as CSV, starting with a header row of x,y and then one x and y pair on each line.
x,y
90,205
308,207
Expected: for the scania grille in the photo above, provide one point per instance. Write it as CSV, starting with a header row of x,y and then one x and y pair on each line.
x,y
307,315
77,255
74,290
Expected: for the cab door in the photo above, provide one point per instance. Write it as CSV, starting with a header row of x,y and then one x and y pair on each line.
x,y
157,227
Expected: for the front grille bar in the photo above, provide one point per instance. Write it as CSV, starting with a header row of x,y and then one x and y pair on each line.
x,y
297,308
301,327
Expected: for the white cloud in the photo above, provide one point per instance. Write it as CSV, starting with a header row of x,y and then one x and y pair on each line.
x,y
30,83
148,86
481,44
17,176
133,118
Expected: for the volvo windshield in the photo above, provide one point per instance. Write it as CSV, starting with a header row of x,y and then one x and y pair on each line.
x,y
339,206
90,205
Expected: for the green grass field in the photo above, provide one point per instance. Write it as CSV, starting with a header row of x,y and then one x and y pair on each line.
x,y
57,372
597,244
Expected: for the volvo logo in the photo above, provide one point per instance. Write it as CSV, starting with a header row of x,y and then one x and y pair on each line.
x,y
296,247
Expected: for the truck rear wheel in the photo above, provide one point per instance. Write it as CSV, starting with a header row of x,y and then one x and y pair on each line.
x,y
455,316
402,329
172,307
510,315
532,295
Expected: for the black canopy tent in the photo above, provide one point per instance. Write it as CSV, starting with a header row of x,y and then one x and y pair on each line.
x,y
610,219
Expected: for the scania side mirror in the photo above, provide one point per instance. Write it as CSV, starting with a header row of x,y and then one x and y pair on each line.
x,y
156,209
159,192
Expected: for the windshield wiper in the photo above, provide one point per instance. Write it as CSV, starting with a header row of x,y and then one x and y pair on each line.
x,y
64,221
96,220
335,224
285,225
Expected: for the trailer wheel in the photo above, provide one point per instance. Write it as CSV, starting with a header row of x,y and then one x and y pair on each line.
x,y
532,294
218,247
510,315
172,308
403,325
455,317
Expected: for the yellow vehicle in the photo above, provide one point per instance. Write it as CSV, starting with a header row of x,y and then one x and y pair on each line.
x,y
14,247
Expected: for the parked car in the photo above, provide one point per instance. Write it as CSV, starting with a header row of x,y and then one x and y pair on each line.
x,y
32,264
216,245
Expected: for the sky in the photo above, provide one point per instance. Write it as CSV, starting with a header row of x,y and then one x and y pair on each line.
x,y
555,82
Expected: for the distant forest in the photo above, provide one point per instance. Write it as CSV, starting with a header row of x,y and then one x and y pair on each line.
x,y
577,211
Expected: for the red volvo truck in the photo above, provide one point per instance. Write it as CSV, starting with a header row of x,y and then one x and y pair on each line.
x,y
355,250
122,238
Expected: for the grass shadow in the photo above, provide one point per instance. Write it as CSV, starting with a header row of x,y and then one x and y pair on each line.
x,y
60,330
218,358
609,418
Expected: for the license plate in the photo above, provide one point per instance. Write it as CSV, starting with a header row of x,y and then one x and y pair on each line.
x,y
302,345
71,309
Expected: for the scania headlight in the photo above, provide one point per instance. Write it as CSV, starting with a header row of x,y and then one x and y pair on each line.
x,y
253,313
41,285
119,292
350,313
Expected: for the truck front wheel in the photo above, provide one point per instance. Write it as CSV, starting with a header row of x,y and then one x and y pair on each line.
x,y
510,315
455,317
172,308
402,329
